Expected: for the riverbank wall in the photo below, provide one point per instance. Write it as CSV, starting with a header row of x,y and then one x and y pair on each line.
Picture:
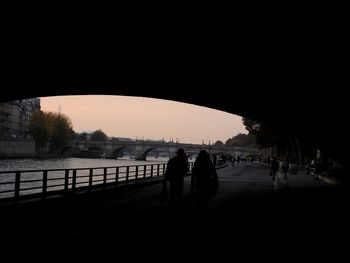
x,y
17,149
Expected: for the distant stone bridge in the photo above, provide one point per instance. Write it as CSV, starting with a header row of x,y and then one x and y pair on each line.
x,y
113,149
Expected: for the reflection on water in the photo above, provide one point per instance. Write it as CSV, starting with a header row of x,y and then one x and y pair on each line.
x,y
69,163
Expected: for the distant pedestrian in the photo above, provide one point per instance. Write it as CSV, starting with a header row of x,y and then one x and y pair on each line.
x,y
317,168
307,166
214,159
274,168
233,161
285,167
177,168
313,163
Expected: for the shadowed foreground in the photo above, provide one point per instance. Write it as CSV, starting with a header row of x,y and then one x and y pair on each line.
x,y
250,217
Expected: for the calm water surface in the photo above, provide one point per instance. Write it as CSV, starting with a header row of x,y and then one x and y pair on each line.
x,y
34,179
69,163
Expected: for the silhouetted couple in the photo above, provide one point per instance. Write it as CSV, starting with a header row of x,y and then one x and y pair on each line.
x,y
204,180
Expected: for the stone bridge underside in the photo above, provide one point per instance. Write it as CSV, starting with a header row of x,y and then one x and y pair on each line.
x,y
298,88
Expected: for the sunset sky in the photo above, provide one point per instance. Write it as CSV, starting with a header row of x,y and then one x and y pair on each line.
x,y
146,118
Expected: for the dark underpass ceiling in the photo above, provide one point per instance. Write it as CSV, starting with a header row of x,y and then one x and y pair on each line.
x,y
299,90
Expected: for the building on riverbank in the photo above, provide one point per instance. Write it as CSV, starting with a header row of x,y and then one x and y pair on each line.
x,y
15,139
15,117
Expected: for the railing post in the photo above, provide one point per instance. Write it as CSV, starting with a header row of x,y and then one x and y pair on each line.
x,y
91,173
104,177
127,174
151,170
17,185
136,173
44,183
158,169
144,171
74,179
66,180
117,174
164,169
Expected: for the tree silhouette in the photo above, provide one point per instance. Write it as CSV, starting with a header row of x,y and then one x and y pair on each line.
x,y
55,128
98,135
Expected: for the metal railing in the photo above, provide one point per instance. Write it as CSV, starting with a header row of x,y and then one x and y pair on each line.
x,y
28,183
17,185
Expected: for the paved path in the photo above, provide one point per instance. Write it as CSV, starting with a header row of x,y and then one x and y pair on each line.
x,y
248,209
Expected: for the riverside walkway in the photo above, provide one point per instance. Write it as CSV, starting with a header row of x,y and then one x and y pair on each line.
x,y
248,208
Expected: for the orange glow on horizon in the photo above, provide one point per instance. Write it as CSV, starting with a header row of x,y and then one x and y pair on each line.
x,y
154,119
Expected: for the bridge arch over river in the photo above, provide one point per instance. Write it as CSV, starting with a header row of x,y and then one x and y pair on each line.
x,y
112,149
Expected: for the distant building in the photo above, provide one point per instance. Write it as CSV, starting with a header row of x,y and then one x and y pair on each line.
x,y
15,117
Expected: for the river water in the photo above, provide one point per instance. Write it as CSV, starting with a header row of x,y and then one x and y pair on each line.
x,y
69,163
34,179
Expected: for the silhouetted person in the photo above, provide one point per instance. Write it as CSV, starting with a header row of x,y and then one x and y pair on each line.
x,y
274,168
307,166
318,166
177,168
214,160
269,161
285,167
313,163
204,181
233,161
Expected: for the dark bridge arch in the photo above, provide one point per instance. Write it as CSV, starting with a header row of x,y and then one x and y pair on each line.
x,y
283,89
165,149
147,151
116,153
96,152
